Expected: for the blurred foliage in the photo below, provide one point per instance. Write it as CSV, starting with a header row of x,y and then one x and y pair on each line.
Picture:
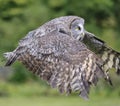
x,y
36,89
20,75
18,17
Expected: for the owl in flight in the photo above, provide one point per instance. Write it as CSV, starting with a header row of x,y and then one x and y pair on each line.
x,y
65,55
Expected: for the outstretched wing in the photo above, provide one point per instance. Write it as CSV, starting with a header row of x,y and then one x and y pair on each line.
x,y
110,57
62,61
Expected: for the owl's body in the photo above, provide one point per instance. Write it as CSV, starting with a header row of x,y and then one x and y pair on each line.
x,y
54,52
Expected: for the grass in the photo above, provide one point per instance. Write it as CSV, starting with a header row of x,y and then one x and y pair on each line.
x,y
35,94
58,101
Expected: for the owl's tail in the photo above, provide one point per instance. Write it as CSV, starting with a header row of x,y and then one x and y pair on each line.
x,y
11,57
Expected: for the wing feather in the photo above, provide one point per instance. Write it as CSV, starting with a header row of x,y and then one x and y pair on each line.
x,y
62,61
110,57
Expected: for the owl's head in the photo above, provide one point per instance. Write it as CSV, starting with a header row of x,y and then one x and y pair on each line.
x,y
72,24
77,28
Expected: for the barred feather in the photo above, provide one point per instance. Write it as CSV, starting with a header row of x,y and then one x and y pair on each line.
x,y
110,57
14,55
11,57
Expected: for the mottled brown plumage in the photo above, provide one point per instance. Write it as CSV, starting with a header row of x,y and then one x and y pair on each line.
x,y
58,53
110,57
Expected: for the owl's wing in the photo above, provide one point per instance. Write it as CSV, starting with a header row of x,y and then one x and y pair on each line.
x,y
110,57
77,76
64,63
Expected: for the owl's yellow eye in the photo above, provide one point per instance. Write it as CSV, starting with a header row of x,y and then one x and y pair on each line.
x,y
78,28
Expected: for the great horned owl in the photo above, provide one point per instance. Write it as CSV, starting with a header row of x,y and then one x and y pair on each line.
x,y
64,54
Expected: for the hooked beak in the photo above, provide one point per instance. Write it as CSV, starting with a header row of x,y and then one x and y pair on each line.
x,y
82,32
81,36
